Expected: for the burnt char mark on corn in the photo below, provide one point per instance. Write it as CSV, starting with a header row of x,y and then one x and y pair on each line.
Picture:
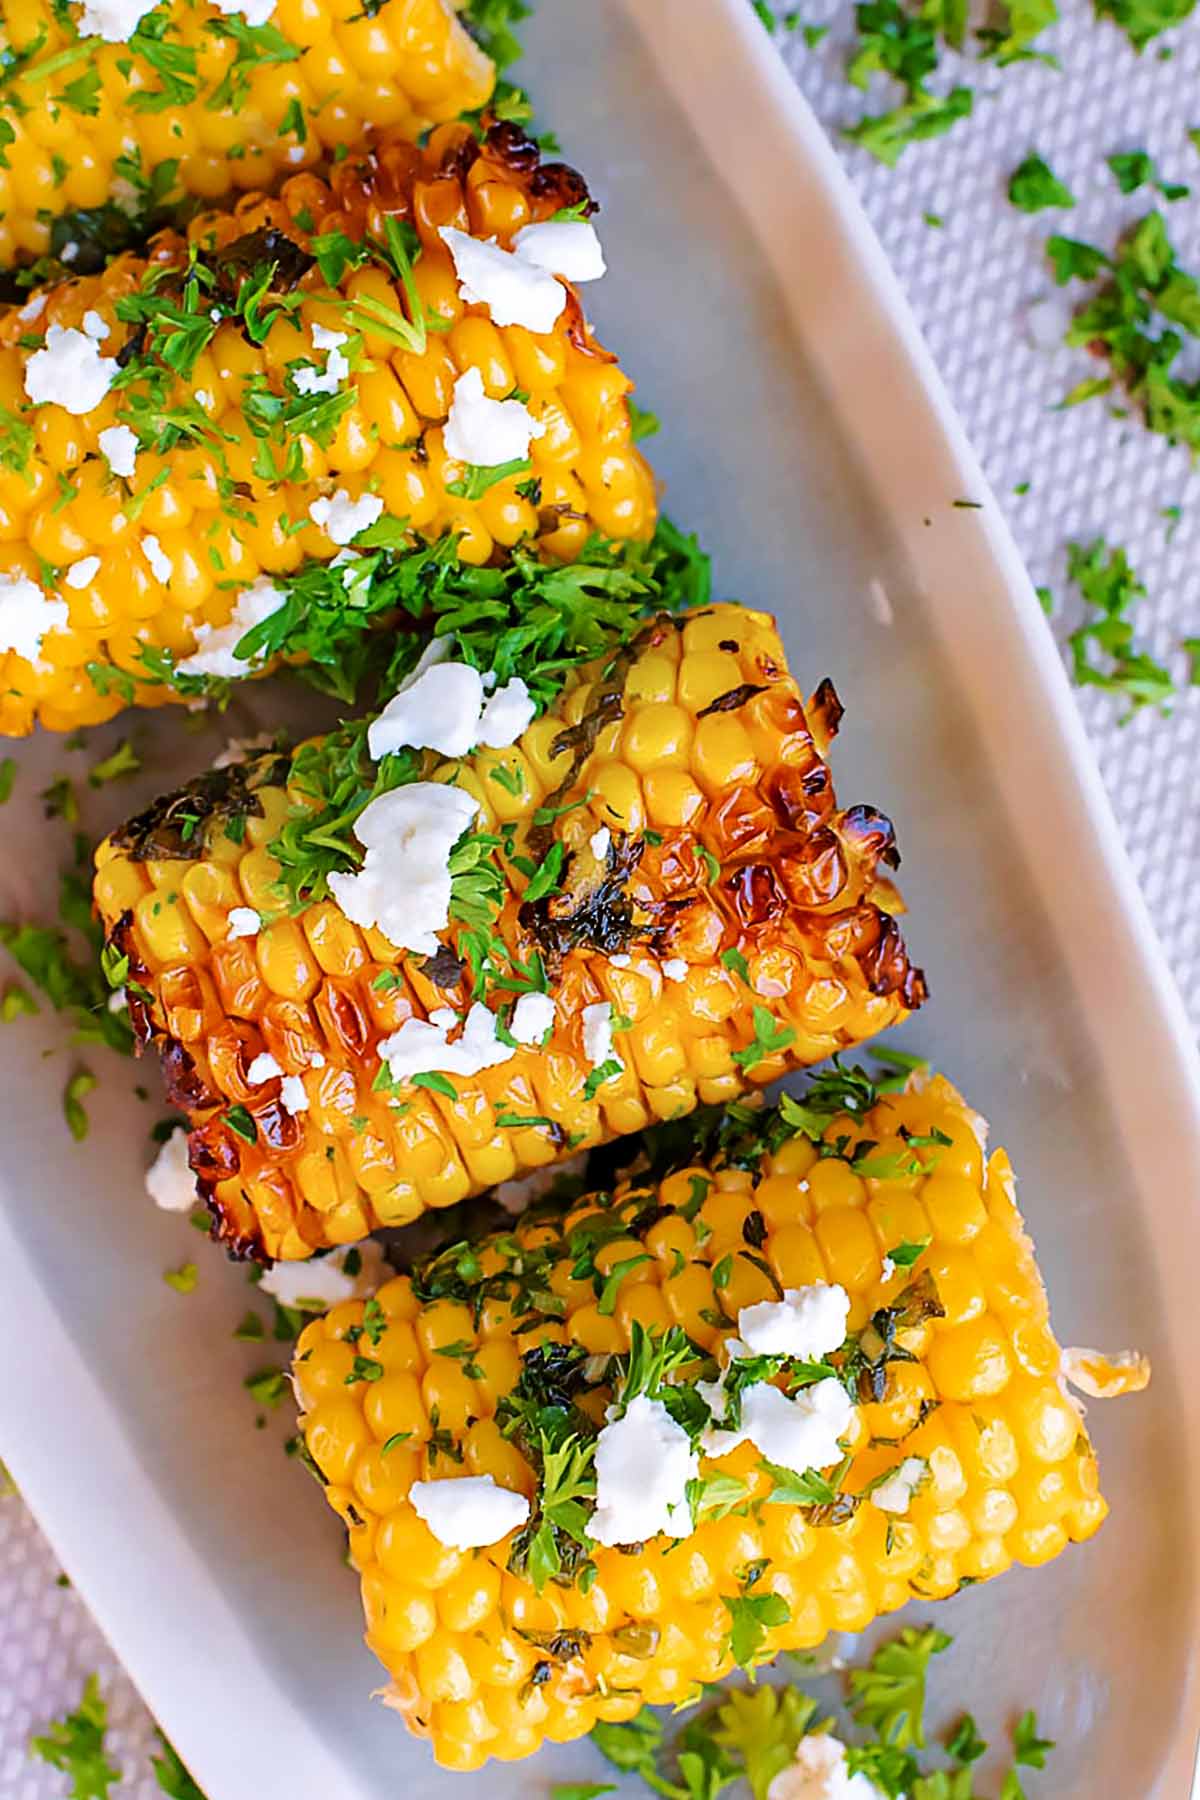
x,y
729,889
177,826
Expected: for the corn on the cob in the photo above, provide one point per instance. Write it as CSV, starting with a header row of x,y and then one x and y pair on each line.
x,y
498,1359
199,100
257,457
698,894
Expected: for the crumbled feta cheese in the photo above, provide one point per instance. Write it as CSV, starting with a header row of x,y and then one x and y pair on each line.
x,y
124,196
27,616
341,518
216,644
895,1494
440,710
292,1095
513,288
119,444
567,247
33,309
70,372
598,1033
308,379
533,1018
468,1512
239,749
808,1322
424,1047
95,326
819,1773
403,887
160,562
507,714
70,251
675,969
487,432
113,20
323,1281
81,574
118,1001
169,1180
887,1269
244,922
255,12
798,1432
599,843
316,1060
644,1461
620,959
263,1068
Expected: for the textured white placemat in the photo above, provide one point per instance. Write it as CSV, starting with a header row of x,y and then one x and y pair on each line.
x,y
972,283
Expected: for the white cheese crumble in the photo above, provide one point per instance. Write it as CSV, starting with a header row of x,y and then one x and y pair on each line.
x,y
403,887
113,20
485,432
292,1095
239,749
532,1019
323,1281
675,969
513,288
895,1494
620,959
599,843
819,1773
808,1322
644,1461
119,445
96,327
799,1432
33,309
81,574
118,1001
567,247
887,1269
441,707
70,372
169,1181
341,518
160,562
28,616
244,922
468,1512
308,379
514,1196
506,715
424,1047
598,1044
263,1068
215,644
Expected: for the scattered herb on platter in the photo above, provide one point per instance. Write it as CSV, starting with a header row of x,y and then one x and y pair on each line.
x,y
1104,650
1134,169
1033,186
75,1744
1142,20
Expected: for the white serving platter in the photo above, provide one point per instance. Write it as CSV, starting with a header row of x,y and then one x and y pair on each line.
x,y
809,440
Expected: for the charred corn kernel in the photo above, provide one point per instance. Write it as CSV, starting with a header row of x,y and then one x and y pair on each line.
x,y
255,456
89,122
1000,1470
697,890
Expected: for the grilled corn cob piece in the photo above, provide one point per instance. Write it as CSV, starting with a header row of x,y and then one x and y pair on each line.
x,y
233,452
198,100
704,919
497,1360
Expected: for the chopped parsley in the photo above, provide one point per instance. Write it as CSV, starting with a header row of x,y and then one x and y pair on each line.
x,y
1142,20
183,1279
1104,650
1033,186
1136,168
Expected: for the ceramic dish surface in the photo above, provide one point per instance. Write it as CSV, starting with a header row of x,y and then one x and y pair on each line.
x,y
808,440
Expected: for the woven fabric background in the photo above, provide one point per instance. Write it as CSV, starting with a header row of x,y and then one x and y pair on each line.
x,y
980,285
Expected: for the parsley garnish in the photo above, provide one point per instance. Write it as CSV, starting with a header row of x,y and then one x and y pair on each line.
x,y
75,1744
769,1039
1034,186
1136,168
1104,653
889,1694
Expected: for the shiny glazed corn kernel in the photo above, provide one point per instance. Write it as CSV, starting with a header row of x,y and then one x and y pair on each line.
x,y
750,937
92,122
241,479
482,1663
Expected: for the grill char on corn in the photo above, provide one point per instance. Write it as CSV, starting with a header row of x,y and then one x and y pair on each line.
x,y
951,1362
217,517
727,855
92,122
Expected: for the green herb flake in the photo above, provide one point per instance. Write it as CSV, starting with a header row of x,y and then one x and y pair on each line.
x,y
78,1087
75,1745
182,1280
1033,186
